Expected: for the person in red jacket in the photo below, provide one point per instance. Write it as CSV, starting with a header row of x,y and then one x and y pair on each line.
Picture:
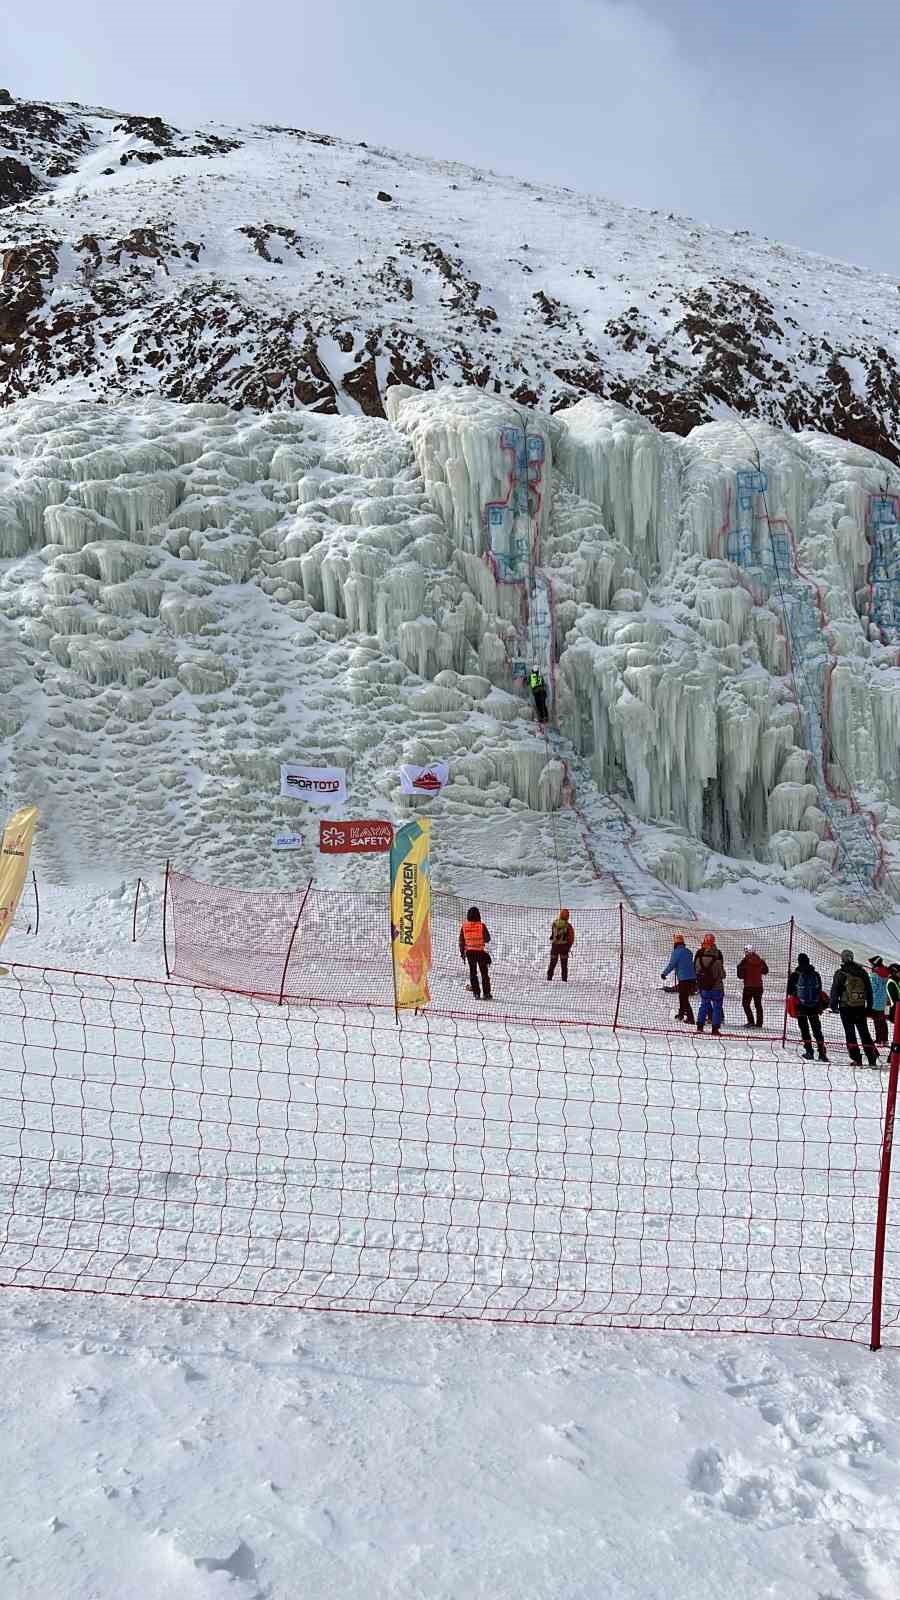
x,y
751,970
474,938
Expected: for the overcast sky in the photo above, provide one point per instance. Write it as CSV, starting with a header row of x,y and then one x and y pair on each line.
x,y
780,116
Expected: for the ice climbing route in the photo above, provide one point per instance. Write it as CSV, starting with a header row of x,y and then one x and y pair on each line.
x,y
766,547
883,532
608,836
513,524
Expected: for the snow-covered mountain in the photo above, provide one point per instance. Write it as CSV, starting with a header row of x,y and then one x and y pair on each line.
x,y
251,511
271,266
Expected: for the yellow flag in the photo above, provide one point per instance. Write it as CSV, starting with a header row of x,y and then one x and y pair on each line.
x,y
14,854
411,914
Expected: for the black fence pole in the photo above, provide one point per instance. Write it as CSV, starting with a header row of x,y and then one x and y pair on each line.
x,y
287,959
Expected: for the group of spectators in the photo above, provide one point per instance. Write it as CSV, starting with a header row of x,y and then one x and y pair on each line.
x,y
856,995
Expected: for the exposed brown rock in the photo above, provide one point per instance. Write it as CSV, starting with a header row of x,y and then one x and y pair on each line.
x,y
17,182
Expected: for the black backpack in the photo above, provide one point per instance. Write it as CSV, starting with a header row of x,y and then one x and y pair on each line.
x,y
809,987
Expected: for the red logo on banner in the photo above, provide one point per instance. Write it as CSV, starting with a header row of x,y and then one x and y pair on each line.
x,y
355,838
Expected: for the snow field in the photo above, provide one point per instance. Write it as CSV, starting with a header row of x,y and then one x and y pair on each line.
x,y
194,1453
160,1140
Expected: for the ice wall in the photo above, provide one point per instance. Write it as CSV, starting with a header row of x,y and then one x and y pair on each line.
x,y
464,445
199,594
621,464
196,595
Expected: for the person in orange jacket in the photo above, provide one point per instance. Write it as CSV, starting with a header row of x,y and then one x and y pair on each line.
x,y
474,938
562,938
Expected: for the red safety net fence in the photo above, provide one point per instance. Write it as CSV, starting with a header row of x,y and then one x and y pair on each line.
x,y
158,1139
316,945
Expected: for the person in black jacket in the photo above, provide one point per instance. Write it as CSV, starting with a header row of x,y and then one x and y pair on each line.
x,y
805,985
851,995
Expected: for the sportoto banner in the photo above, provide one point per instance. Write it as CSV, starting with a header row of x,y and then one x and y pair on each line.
x,y
424,780
318,786
411,914
14,856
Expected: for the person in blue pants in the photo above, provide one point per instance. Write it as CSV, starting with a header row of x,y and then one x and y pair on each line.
x,y
709,970
681,962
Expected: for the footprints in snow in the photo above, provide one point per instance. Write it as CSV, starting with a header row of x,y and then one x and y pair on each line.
x,y
805,1475
240,1565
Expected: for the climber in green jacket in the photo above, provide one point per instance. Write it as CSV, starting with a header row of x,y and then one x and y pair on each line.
x,y
538,687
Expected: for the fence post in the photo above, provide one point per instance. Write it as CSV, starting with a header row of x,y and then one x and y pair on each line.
x,y
290,947
884,1185
165,909
621,962
134,914
37,903
790,965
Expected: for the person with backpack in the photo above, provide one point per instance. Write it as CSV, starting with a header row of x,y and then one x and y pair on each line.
x,y
562,939
851,995
805,988
681,963
751,970
709,971
474,939
878,978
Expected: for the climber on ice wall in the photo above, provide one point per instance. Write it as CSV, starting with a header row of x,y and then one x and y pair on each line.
x,y
538,686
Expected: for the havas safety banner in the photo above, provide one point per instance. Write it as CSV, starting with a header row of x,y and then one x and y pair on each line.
x,y
318,786
411,914
424,780
14,854
355,838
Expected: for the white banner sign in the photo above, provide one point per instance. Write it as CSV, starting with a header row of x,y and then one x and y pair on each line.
x,y
288,841
318,786
424,780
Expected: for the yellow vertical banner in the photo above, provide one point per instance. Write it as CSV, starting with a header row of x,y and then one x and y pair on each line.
x,y
14,855
411,914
